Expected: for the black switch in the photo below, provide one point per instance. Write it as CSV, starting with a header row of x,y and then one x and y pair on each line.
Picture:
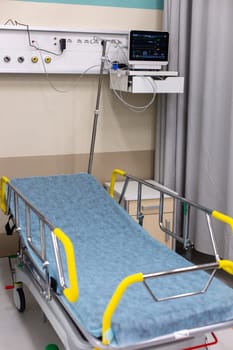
x,y
62,44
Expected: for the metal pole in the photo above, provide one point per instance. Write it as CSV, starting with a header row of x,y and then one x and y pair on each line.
x,y
96,114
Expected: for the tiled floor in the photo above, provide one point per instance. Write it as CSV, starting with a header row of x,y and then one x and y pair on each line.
x,y
29,331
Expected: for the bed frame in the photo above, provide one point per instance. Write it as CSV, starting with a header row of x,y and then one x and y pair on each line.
x,y
54,292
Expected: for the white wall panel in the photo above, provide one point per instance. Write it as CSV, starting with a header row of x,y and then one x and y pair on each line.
x,y
38,50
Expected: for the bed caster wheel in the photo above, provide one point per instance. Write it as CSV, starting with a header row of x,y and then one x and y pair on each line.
x,y
19,299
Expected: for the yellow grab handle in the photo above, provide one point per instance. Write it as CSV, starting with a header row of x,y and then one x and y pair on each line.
x,y
226,265
113,303
222,217
113,180
3,205
70,293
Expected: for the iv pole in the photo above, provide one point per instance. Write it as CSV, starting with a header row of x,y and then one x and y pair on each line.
x,y
96,113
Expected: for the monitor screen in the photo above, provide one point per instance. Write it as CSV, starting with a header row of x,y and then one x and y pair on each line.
x,y
148,46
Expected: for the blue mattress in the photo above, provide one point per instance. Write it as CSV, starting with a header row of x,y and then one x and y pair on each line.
x,y
109,246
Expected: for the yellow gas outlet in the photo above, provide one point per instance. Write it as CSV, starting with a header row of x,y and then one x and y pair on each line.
x,y
47,59
34,59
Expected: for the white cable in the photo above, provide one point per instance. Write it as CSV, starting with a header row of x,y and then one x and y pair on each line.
x,y
117,44
72,85
123,52
107,62
134,108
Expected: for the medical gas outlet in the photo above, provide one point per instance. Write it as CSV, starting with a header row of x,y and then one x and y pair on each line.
x,y
34,59
47,59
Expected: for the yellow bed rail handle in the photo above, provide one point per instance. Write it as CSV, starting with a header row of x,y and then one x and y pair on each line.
x,y
226,265
70,293
222,217
3,204
113,303
113,180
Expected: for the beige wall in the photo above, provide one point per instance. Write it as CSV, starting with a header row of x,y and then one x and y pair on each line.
x,y
46,122
44,131
79,16
42,121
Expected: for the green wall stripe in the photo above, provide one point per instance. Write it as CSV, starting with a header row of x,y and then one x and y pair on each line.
x,y
142,4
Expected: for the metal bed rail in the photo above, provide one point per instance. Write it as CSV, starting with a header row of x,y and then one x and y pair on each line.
x,y
226,265
71,292
186,204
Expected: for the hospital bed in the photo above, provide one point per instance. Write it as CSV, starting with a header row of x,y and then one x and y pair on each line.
x,y
101,280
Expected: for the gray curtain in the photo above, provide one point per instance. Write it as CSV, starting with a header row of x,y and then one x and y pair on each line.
x,y
194,140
